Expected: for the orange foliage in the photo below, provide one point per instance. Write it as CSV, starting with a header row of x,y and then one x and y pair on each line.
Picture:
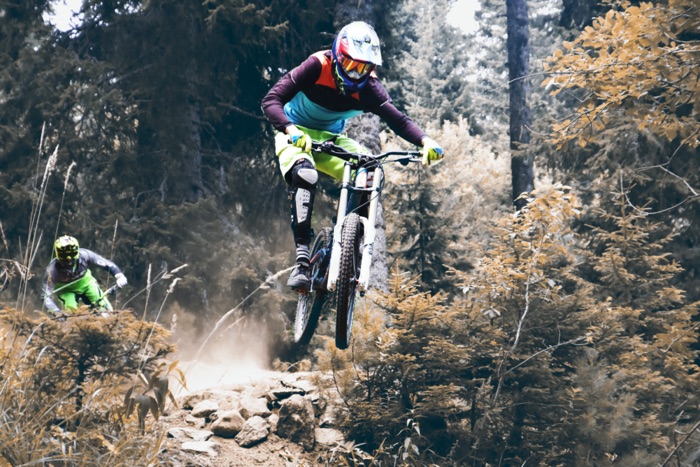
x,y
644,60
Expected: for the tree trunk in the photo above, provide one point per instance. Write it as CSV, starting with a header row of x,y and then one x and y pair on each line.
x,y
188,184
175,109
520,119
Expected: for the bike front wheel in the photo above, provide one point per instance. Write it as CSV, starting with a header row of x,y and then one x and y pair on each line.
x,y
347,279
310,304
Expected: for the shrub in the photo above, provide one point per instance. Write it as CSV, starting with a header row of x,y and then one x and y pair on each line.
x,y
68,389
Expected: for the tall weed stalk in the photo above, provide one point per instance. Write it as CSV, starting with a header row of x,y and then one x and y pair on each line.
x,y
63,197
34,234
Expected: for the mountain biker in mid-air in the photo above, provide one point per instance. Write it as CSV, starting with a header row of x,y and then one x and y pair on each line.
x,y
312,102
69,278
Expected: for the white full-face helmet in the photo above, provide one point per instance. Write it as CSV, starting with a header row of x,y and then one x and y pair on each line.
x,y
356,53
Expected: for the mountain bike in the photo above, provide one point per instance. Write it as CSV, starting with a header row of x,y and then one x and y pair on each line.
x,y
341,255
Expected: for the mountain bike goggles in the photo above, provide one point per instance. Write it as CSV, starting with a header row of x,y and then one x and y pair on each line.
x,y
355,69
67,255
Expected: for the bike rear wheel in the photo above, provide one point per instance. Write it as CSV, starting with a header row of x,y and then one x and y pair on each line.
x,y
310,304
347,279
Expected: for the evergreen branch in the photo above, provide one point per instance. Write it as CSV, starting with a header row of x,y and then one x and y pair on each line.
x,y
528,280
682,143
243,112
668,348
520,78
695,427
343,395
694,192
549,348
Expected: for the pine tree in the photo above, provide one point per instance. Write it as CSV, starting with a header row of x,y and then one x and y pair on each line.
x,y
428,73
633,75
426,77
644,337
436,215
556,353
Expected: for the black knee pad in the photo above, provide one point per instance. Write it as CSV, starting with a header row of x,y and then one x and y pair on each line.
x,y
301,199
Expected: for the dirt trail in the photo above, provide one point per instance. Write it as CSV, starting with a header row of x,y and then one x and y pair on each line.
x,y
204,379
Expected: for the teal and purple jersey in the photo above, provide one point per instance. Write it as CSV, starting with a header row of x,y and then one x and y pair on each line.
x,y
308,96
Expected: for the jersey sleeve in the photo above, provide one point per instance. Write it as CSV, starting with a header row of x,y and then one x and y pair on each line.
x,y
93,259
380,104
286,88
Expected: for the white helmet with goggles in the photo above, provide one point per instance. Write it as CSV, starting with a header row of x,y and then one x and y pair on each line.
x,y
356,53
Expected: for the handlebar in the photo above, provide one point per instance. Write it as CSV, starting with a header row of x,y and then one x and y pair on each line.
x,y
359,159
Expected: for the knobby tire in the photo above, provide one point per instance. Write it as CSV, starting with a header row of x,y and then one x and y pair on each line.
x,y
347,279
310,304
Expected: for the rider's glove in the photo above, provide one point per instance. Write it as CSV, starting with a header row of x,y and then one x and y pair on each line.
x,y
121,280
431,152
300,140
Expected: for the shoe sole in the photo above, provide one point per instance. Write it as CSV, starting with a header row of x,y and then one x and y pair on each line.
x,y
300,287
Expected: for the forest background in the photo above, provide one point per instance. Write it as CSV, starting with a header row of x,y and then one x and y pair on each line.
x,y
561,333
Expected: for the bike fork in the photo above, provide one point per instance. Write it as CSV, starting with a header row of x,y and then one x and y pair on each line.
x,y
368,228
370,231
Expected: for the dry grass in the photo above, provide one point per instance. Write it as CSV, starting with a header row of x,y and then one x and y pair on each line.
x,y
68,390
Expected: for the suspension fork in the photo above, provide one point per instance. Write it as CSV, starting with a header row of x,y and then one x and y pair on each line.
x,y
370,230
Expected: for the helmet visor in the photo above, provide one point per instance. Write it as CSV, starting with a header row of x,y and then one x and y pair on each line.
x,y
355,69
67,254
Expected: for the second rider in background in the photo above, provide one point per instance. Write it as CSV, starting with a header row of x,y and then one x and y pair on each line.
x,y
68,278
313,102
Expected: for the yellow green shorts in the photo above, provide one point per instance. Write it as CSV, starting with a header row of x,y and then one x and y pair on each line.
x,y
288,154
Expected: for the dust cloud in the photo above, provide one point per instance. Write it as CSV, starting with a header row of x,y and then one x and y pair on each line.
x,y
236,352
